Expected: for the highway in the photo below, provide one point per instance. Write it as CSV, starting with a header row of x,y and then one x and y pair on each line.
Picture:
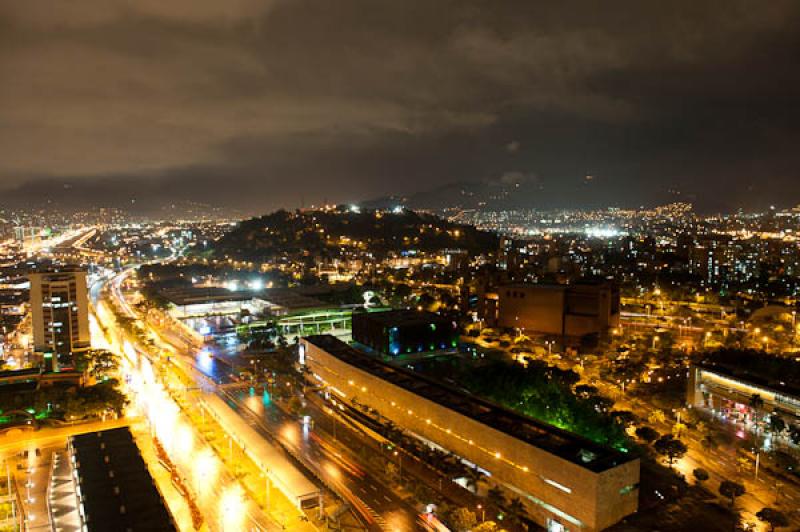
x,y
335,464
151,381
377,505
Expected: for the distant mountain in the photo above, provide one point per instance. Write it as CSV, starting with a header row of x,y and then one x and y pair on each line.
x,y
134,196
517,191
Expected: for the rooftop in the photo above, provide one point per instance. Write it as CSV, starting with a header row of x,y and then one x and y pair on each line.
x,y
291,299
566,445
117,490
786,385
199,295
282,297
401,317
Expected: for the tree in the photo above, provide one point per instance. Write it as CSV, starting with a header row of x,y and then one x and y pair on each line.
x,y
98,364
585,390
700,475
794,434
516,508
657,416
474,477
756,403
647,434
774,518
776,424
486,526
626,418
671,448
731,490
462,519
496,497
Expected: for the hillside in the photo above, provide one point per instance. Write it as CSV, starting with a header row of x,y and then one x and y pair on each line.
x,y
329,232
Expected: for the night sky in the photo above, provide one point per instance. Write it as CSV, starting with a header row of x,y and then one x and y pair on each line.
x,y
260,104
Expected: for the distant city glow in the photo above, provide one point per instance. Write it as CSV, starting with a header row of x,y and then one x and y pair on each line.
x,y
603,232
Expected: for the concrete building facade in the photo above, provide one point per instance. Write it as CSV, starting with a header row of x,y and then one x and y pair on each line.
x,y
396,332
566,482
60,314
572,310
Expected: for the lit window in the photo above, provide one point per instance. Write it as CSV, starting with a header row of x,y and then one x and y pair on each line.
x,y
557,485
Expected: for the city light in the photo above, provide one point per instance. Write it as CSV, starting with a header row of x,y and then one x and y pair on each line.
x,y
232,508
206,470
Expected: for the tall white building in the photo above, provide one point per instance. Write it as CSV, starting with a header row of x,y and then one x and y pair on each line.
x,y
60,315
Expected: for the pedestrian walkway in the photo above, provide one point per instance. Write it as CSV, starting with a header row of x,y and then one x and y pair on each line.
x,y
64,515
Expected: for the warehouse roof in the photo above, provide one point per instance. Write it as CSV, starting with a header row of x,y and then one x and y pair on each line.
x,y
116,489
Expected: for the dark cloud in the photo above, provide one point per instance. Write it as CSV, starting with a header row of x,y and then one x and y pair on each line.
x,y
289,101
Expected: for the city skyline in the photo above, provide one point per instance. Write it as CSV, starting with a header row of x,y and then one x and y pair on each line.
x,y
385,266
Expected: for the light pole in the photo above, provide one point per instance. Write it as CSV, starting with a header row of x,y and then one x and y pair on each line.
x,y
483,512
758,460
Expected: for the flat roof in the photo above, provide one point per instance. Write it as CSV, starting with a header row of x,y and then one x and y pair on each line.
x,y
117,490
401,317
201,295
282,467
291,299
282,297
571,447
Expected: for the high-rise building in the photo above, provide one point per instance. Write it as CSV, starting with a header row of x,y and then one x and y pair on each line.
x,y
60,315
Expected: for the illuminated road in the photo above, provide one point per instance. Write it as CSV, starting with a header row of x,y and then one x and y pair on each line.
x,y
217,492
332,460
335,464
378,505
721,462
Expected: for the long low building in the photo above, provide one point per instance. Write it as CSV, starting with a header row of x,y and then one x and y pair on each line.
x,y
566,482
728,391
274,461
